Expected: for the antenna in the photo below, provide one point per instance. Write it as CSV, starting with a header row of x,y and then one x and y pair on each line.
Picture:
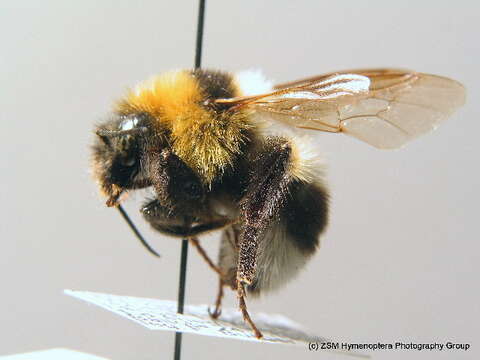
x,y
135,231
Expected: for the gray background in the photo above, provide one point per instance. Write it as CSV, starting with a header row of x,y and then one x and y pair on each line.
x,y
400,259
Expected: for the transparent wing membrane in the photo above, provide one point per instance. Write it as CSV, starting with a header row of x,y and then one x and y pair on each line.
x,y
383,107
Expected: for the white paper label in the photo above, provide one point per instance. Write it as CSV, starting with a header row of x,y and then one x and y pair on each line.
x,y
157,314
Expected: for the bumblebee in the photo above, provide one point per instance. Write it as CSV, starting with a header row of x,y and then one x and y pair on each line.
x,y
199,139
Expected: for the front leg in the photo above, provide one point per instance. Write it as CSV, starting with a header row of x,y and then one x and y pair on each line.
x,y
267,190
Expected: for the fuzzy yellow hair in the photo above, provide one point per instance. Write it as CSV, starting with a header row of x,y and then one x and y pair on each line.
x,y
205,140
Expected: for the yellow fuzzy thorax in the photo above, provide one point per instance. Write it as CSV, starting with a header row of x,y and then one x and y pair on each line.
x,y
207,141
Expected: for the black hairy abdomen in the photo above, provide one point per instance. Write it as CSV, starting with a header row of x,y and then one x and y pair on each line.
x,y
305,214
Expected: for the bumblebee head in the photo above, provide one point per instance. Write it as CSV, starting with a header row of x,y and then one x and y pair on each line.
x,y
119,155
129,153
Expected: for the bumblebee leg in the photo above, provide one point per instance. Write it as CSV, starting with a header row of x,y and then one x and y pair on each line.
x,y
264,197
218,302
221,283
194,241
243,309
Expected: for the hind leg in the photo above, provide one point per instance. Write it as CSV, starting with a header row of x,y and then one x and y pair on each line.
x,y
265,195
280,177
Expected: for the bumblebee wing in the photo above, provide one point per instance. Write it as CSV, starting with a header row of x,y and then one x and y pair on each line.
x,y
383,107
